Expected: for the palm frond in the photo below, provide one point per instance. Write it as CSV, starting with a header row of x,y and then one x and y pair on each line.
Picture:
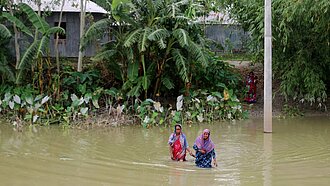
x,y
5,69
132,38
19,24
133,71
143,42
127,85
42,44
4,32
136,90
158,34
104,55
161,44
173,10
29,55
54,30
167,83
181,65
95,31
120,11
197,53
158,5
182,36
181,19
37,21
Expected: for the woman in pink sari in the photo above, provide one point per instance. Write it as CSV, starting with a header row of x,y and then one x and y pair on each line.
x,y
178,144
205,150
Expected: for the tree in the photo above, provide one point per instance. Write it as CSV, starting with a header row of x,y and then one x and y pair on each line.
x,y
57,38
301,49
155,42
17,46
35,51
82,31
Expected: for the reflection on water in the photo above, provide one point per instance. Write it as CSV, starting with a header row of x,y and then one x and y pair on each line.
x,y
297,153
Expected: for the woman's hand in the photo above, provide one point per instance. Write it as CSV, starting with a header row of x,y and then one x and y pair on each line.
x,y
215,163
191,154
202,151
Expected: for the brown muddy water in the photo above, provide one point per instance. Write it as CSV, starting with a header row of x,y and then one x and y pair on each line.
x,y
297,153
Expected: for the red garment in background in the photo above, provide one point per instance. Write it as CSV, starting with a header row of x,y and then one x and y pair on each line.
x,y
251,96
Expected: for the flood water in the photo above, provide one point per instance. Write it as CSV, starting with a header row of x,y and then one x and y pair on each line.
x,y
296,153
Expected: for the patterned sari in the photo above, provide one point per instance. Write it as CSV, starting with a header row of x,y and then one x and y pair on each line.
x,y
179,145
204,160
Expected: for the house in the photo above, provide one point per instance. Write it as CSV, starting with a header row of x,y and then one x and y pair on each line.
x,y
69,42
225,31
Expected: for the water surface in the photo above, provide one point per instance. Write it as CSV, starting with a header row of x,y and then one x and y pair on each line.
x,y
297,153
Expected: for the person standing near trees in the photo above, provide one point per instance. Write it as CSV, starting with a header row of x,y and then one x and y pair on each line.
x,y
251,84
178,144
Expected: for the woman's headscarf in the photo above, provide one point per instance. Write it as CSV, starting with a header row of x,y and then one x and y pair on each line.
x,y
173,135
206,145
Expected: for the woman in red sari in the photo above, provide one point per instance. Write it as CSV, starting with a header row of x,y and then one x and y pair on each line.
x,y
251,84
178,144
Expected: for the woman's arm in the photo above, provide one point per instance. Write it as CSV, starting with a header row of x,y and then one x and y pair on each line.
x,y
199,150
214,156
171,151
190,152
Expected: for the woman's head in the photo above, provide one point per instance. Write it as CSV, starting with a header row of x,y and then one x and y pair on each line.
x,y
177,128
206,134
204,141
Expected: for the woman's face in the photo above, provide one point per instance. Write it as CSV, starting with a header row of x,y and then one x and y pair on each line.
x,y
206,135
177,130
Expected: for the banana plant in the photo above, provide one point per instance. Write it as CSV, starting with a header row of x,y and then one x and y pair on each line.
x,y
37,48
5,69
152,40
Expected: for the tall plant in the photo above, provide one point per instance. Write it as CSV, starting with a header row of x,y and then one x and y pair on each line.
x,y
301,37
35,51
154,39
5,70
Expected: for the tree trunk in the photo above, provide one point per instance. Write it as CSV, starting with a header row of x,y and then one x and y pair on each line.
x,y
57,55
38,2
17,51
56,41
82,31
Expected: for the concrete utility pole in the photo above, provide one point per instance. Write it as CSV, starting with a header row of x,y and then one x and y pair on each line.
x,y
268,123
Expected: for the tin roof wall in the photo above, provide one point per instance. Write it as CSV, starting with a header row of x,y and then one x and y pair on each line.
x,y
217,17
69,6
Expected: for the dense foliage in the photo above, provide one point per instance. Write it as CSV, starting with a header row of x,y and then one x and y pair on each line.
x,y
157,46
301,43
156,50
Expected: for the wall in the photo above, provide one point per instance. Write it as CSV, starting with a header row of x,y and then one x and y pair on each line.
x,y
69,47
232,38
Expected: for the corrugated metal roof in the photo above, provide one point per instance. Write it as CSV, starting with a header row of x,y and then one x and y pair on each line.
x,y
69,6
217,17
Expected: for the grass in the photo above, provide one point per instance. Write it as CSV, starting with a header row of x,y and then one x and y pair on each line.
x,y
236,56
